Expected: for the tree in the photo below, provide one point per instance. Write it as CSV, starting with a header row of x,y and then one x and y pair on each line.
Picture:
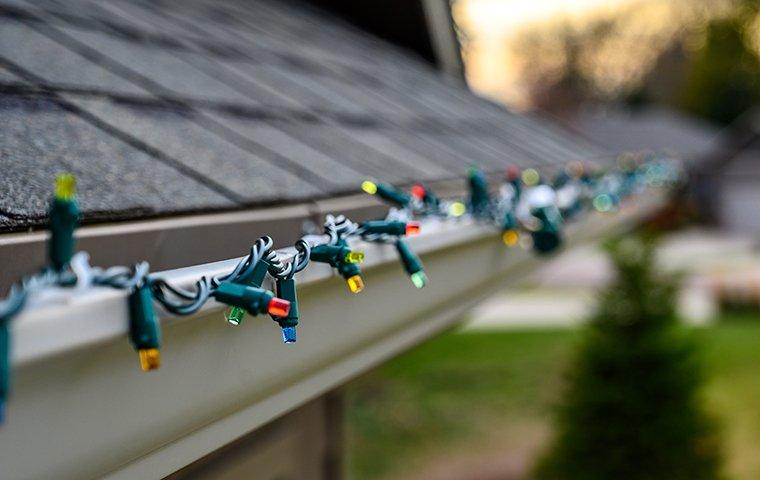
x,y
724,79
632,408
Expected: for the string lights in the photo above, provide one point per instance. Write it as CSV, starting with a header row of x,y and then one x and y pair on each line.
x,y
526,206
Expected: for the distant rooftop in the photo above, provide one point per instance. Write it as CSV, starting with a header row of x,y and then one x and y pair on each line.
x,y
163,108
657,129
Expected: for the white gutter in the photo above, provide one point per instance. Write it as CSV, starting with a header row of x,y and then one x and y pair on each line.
x,y
81,407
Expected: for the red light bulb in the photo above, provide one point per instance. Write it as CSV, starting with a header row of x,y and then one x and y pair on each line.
x,y
418,191
513,173
413,228
278,307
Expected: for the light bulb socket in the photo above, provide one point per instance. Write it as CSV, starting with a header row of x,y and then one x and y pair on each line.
x,y
391,195
548,237
411,263
64,216
348,270
480,199
254,277
286,290
334,255
546,242
144,327
387,227
509,222
254,300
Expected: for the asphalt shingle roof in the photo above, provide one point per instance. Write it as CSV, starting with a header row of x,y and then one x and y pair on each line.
x,y
40,138
166,107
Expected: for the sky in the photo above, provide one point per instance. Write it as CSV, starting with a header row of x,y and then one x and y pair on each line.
x,y
639,32
489,26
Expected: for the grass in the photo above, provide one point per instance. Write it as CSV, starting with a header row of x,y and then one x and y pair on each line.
x,y
467,400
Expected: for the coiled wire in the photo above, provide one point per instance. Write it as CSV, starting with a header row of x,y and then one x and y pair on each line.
x,y
180,301
338,227
299,261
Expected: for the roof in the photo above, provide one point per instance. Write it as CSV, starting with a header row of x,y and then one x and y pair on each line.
x,y
655,129
163,108
737,149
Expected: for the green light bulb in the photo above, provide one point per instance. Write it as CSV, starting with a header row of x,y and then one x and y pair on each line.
x,y
419,279
234,315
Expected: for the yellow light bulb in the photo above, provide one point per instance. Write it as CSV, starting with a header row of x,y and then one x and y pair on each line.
x,y
354,257
369,187
150,358
457,209
355,284
510,237
65,186
530,176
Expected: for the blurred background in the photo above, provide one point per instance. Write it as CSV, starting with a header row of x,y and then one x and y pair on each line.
x,y
681,76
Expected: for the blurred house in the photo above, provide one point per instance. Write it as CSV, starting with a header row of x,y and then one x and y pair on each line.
x,y
727,182
725,162
650,128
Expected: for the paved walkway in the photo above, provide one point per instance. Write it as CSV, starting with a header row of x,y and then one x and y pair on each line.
x,y
564,290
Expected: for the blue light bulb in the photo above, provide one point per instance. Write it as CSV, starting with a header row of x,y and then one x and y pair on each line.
x,y
289,334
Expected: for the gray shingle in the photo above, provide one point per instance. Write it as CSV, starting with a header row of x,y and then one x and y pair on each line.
x,y
177,135
40,139
6,76
132,14
411,165
340,145
23,4
302,88
54,63
163,68
232,73
340,176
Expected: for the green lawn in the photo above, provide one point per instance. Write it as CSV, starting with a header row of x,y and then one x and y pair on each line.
x,y
483,400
